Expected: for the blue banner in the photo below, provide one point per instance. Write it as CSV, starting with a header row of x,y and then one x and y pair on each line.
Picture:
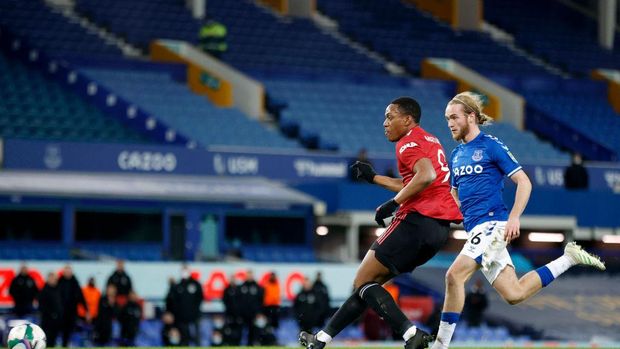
x,y
137,158
93,157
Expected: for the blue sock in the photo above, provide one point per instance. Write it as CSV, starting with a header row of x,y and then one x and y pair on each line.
x,y
545,275
450,318
446,330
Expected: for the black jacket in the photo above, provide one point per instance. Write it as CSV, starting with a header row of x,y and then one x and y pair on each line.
x,y
122,281
251,299
24,291
232,302
306,309
71,295
187,298
129,318
50,304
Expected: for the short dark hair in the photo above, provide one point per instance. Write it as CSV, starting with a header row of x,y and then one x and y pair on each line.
x,y
409,106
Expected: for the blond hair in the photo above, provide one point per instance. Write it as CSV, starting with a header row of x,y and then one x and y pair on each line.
x,y
472,103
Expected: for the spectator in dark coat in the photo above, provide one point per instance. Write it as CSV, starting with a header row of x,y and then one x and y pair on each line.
x,y
120,279
476,302
51,308
187,300
251,299
233,322
102,332
305,308
323,300
170,296
129,318
71,295
24,291
170,334
576,175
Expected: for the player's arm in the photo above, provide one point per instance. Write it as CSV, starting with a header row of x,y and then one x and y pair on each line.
x,y
522,195
389,183
455,195
365,171
424,175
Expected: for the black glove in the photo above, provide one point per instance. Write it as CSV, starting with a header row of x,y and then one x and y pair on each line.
x,y
364,170
384,211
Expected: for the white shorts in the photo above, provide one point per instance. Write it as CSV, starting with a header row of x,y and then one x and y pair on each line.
x,y
485,244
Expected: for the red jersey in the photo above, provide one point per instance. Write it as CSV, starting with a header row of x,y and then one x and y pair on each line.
x,y
434,201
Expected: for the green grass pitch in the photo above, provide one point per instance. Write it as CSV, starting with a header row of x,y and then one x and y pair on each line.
x,y
373,347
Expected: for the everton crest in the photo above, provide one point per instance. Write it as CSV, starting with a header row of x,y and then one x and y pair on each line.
x,y
477,155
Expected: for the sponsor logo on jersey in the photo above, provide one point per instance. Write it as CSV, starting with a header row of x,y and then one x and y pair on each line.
x,y
407,145
467,169
477,155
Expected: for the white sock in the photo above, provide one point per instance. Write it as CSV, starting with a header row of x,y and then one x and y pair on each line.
x,y
409,333
444,335
323,337
560,265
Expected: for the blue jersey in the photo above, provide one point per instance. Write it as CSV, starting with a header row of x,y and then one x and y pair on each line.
x,y
478,170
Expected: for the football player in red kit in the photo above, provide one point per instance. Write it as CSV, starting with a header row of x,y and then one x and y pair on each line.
x,y
423,208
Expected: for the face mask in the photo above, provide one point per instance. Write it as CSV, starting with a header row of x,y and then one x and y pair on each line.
x,y
185,274
216,339
260,322
175,337
218,322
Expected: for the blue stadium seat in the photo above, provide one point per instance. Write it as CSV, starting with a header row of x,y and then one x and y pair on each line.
x,y
192,115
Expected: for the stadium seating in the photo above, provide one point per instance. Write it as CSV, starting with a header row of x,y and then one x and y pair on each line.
x,y
345,112
257,40
34,107
279,254
190,114
139,251
555,32
407,37
51,32
33,251
140,21
407,41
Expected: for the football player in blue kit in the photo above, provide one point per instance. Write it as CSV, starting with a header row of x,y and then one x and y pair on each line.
x,y
479,165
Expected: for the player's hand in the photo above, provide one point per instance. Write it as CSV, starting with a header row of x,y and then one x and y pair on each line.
x,y
512,230
364,170
385,210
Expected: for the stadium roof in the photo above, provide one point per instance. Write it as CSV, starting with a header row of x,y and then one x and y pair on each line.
x,y
249,191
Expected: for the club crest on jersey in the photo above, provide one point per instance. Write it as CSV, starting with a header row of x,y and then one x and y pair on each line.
x,y
477,155
407,145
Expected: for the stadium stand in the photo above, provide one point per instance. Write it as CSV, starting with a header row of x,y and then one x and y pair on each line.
x,y
408,42
257,40
34,251
555,32
34,107
141,21
325,108
51,32
138,251
324,87
407,36
193,115
278,254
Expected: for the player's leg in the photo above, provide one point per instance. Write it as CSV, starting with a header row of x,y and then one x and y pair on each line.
x,y
478,245
457,275
515,290
370,272
399,249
